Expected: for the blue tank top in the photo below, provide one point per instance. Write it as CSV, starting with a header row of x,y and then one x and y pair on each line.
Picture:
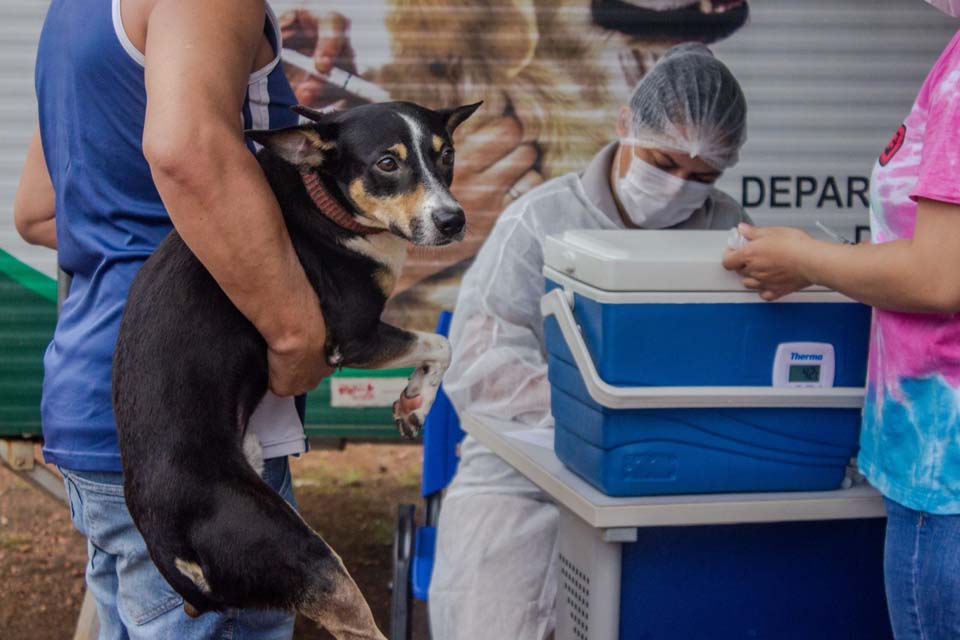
x,y
92,101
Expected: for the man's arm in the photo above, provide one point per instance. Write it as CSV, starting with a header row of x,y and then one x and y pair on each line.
x,y
35,205
198,58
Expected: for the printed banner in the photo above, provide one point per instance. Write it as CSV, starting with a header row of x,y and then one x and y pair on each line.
x,y
365,392
828,83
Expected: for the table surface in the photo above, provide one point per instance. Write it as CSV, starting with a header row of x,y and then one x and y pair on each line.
x,y
541,465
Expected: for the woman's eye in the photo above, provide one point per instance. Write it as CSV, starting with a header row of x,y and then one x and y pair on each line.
x,y
387,164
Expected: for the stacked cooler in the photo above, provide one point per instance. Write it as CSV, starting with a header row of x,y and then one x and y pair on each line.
x,y
669,378
663,367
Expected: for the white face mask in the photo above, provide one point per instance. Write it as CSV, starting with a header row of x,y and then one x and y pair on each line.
x,y
949,7
655,199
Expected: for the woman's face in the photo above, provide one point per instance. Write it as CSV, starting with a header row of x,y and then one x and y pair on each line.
x,y
675,163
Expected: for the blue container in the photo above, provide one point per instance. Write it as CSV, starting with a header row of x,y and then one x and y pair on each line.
x,y
784,581
693,325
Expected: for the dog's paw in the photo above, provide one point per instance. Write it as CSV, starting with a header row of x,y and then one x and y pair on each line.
x,y
408,424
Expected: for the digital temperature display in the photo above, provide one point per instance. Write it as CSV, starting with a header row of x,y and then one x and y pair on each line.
x,y
802,365
804,373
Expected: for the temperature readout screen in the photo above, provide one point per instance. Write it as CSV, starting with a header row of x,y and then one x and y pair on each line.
x,y
804,373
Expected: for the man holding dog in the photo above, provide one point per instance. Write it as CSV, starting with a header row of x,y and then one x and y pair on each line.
x,y
496,559
142,106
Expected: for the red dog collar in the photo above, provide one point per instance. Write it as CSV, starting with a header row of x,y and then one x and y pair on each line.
x,y
329,207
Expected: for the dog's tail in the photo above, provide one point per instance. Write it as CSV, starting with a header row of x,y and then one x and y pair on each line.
x,y
336,603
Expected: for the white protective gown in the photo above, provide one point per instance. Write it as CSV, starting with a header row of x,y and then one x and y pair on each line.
x,y
494,575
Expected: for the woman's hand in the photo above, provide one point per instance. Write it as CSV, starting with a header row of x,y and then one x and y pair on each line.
x,y
772,262
912,275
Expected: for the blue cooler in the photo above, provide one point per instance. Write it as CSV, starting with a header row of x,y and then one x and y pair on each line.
x,y
668,377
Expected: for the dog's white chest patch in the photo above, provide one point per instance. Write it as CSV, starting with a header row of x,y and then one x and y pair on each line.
x,y
383,248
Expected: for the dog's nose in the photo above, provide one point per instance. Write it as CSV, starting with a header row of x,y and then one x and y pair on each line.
x,y
450,222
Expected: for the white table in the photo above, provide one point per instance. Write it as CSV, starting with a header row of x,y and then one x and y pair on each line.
x,y
594,526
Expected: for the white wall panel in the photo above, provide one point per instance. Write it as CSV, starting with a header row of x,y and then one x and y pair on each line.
x,y
828,82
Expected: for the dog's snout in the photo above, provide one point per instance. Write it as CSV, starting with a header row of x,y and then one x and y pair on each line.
x,y
449,221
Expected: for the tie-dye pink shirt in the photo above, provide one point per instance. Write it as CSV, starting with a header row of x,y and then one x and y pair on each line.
x,y
911,432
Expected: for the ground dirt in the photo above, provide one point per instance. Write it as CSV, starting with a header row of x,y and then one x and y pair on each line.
x,y
349,496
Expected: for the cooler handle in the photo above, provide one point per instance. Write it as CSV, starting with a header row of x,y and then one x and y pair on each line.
x,y
559,304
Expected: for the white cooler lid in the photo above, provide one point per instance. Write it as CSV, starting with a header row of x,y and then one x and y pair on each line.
x,y
641,260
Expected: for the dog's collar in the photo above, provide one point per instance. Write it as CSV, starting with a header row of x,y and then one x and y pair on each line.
x,y
329,207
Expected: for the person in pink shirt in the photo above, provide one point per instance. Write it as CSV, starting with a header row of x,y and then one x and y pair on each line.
x,y
910,441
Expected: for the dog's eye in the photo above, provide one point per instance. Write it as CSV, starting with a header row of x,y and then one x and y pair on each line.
x,y
446,156
387,164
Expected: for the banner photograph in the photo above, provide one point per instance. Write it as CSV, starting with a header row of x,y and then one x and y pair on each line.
x,y
824,80
553,75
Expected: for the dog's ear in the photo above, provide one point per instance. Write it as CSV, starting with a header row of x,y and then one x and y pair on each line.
x,y
306,145
312,114
455,117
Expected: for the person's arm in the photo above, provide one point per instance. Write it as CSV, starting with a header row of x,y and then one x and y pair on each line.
x,y
921,275
498,366
198,58
498,369
34,208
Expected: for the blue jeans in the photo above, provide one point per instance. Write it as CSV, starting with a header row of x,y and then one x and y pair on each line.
x,y
922,565
133,600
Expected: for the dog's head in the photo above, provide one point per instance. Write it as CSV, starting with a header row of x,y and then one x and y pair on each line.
x,y
389,164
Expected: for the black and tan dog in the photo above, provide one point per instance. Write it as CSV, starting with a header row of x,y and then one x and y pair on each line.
x,y
189,369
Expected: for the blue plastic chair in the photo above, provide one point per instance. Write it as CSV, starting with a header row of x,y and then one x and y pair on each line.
x,y
413,547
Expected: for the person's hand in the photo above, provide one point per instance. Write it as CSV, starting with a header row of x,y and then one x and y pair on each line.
x,y
326,39
493,167
771,263
298,360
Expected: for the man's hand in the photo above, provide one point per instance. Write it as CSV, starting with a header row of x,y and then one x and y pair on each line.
x,y
772,261
327,40
299,362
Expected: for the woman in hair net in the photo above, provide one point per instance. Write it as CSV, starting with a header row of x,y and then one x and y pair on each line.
x,y
496,559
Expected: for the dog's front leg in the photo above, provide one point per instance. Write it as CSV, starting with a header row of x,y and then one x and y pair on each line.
x,y
395,348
